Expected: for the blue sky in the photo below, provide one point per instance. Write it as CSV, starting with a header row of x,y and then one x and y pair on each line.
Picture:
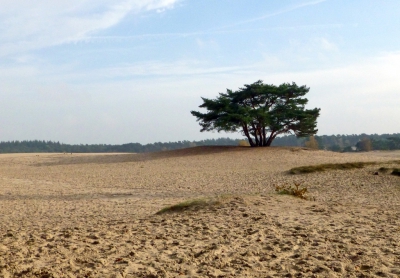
x,y
119,71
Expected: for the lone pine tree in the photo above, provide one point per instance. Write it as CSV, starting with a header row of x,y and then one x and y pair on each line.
x,y
261,112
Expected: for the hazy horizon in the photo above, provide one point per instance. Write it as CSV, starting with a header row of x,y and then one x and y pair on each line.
x,y
123,71
188,140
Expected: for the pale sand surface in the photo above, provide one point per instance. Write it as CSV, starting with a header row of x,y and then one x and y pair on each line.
x,y
81,215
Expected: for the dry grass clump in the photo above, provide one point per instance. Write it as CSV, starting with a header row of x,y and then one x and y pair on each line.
x,y
392,171
384,170
344,166
396,172
330,166
244,143
196,204
295,190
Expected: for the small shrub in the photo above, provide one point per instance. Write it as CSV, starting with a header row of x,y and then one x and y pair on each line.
x,y
295,190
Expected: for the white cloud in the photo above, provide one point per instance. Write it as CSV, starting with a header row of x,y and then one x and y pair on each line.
x,y
29,25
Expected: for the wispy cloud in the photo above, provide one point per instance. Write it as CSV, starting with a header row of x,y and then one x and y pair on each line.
x,y
272,14
213,32
32,25
164,69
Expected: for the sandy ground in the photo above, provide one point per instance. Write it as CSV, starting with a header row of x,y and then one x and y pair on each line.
x,y
66,215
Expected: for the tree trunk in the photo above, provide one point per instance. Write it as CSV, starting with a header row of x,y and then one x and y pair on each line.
x,y
270,139
255,135
261,139
246,132
265,137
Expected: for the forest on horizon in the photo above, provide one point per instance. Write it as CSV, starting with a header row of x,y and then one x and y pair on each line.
x,y
337,143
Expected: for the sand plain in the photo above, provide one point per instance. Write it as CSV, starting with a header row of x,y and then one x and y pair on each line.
x,y
80,215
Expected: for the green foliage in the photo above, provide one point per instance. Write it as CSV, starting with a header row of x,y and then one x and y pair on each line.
x,y
394,142
324,167
261,112
295,190
335,148
344,143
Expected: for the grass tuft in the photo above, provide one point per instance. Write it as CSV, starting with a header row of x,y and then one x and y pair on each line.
x,y
190,205
396,172
330,166
295,190
384,170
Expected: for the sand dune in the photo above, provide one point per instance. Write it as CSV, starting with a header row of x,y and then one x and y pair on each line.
x,y
81,215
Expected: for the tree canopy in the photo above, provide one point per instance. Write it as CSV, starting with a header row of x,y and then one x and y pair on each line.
x,y
261,112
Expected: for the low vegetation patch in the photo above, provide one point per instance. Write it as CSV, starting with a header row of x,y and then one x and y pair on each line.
x,y
384,170
396,172
392,171
330,166
345,166
295,190
196,204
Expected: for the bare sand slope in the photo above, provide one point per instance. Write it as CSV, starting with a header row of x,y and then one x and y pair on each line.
x,y
66,215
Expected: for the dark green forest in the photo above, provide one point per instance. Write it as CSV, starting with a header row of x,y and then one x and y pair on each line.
x,y
338,143
38,146
345,143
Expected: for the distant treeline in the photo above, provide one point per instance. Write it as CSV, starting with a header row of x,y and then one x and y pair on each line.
x,y
38,146
345,143
339,143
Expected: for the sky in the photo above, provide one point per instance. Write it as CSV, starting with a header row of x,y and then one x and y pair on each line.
x,y
121,71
